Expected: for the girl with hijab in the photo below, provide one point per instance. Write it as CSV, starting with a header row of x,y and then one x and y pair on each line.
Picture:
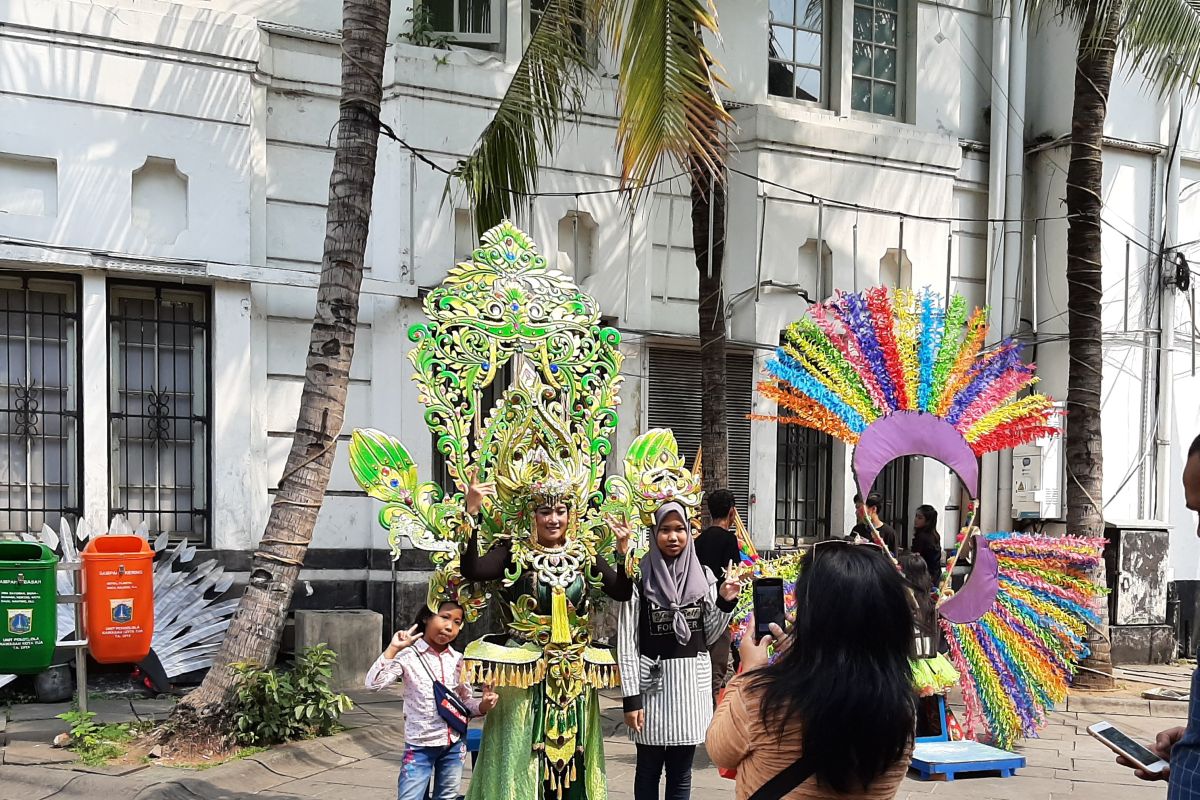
x,y
664,632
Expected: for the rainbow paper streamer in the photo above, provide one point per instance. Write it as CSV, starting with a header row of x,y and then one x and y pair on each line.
x,y
786,567
861,357
746,550
1018,659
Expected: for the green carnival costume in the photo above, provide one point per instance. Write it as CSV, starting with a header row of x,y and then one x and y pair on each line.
x,y
545,441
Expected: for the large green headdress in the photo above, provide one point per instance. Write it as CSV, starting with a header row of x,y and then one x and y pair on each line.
x,y
548,433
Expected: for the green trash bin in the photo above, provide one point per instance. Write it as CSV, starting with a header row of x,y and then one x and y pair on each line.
x,y
28,607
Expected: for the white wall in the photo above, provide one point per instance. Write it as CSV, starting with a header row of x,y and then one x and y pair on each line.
x,y
246,112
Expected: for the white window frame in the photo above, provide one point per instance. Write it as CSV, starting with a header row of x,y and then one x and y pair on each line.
x,y
826,53
903,50
493,38
837,67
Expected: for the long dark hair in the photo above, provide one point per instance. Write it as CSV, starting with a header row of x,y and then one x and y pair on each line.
x,y
846,678
916,575
931,518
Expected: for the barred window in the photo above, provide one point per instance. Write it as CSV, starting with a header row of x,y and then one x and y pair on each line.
x,y
159,407
802,480
39,402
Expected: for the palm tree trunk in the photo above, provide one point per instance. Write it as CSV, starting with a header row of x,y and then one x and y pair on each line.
x,y
1084,446
255,631
708,242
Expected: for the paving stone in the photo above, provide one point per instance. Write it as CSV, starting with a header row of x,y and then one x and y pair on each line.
x,y
155,707
366,742
112,710
370,775
30,753
246,776
319,790
300,759
1168,709
23,783
42,731
32,711
1099,704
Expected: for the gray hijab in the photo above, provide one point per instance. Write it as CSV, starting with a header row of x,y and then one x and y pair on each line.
x,y
677,583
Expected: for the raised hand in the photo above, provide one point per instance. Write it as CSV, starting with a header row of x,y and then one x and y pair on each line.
x,y
476,491
623,532
732,586
402,640
489,699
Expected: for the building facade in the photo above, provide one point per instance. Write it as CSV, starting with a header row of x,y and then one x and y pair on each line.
x,y
163,174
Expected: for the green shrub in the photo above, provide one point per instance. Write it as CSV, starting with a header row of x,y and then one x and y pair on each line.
x,y
273,705
95,743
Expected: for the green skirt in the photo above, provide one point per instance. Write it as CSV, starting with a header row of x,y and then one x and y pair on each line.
x,y
509,769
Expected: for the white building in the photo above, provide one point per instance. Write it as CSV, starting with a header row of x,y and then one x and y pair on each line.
x,y
163,173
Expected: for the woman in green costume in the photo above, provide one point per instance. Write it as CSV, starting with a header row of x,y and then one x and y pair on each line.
x,y
546,740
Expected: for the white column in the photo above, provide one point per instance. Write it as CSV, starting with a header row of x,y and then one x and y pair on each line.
x,y
238,466
93,375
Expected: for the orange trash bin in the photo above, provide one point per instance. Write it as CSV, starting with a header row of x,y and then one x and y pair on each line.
x,y
118,596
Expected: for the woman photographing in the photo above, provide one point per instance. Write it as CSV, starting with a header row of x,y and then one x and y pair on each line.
x,y
833,716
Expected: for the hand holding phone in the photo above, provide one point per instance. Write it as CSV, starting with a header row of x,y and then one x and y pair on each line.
x,y
1141,757
768,606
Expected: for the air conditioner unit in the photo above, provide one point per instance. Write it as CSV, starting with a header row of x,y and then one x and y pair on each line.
x,y
1037,478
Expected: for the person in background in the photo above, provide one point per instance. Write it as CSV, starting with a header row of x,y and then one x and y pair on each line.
x,y
927,541
418,657
833,717
873,505
663,634
861,528
716,547
1181,746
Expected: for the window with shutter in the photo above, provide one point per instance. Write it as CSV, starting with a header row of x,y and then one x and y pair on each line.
x,y
674,402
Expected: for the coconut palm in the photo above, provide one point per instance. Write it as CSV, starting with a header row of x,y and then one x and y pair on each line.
x,y
669,114
1161,38
257,626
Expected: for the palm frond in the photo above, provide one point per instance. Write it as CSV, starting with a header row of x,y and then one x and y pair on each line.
x,y
1161,38
668,99
547,88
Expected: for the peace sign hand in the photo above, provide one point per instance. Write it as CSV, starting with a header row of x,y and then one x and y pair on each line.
x,y
732,586
623,532
476,491
403,640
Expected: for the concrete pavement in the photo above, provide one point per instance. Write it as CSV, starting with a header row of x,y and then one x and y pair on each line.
x,y
362,763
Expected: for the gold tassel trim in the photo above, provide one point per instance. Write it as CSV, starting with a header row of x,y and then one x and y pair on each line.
x,y
515,676
560,626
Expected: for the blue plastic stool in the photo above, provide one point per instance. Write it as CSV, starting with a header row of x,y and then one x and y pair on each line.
x,y
474,742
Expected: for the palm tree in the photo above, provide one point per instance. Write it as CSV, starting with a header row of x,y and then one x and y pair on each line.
x,y
1162,38
669,111
254,633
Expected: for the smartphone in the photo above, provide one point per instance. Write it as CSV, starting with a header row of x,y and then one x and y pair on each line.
x,y
768,605
1120,743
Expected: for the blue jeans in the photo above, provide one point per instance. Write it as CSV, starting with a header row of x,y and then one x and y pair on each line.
x,y
443,763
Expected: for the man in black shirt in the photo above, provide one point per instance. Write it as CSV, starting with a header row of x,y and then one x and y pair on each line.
x,y
872,505
715,548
